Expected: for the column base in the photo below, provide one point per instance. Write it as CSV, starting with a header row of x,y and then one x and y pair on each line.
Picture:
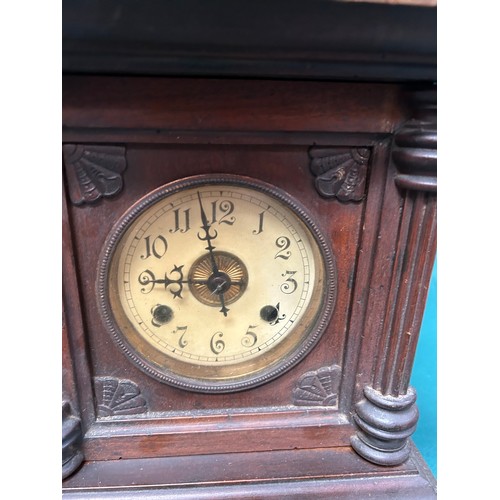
x,y
385,423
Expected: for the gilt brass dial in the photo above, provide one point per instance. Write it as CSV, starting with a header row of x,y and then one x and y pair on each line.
x,y
216,283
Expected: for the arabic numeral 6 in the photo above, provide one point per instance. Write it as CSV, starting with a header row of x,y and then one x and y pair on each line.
x,y
217,345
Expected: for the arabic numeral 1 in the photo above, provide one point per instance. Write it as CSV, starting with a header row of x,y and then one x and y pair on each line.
x,y
261,224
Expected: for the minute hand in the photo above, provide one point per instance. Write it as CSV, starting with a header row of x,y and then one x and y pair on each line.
x,y
208,237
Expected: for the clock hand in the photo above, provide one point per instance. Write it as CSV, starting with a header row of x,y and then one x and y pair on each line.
x,y
224,310
215,269
220,286
149,280
208,237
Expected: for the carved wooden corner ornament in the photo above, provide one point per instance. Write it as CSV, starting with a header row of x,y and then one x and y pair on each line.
x,y
340,172
414,150
93,171
72,438
118,397
318,388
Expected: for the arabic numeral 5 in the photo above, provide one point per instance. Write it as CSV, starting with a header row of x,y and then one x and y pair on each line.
x,y
250,338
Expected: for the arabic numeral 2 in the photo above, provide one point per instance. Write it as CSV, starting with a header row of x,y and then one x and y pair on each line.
x,y
283,243
217,345
156,248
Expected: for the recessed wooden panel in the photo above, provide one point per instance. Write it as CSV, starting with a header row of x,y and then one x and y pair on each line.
x,y
153,166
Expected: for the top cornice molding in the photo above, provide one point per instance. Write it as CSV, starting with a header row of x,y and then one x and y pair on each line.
x,y
302,39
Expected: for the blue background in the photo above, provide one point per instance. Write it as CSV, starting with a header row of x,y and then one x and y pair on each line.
x,y
423,379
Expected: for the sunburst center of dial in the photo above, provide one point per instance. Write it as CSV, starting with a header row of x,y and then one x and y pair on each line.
x,y
221,273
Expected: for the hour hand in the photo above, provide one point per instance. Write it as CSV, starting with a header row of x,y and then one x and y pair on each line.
x,y
174,279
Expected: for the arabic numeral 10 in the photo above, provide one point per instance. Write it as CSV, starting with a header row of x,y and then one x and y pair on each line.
x,y
157,247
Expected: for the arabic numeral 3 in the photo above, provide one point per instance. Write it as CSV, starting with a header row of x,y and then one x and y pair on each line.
x,y
290,285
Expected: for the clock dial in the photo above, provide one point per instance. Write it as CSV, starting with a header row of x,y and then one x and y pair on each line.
x,y
216,283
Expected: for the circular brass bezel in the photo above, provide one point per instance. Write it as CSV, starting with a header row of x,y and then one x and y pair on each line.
x,y
229,377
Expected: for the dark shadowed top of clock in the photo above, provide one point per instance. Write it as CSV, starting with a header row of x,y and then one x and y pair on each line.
x,y
261,38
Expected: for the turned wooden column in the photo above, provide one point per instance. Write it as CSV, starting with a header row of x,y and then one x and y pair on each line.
x,y
386,413
72,434
75,415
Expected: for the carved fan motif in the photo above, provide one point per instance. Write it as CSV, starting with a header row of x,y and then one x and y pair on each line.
x,y
340,173
93,171
318,388
118,397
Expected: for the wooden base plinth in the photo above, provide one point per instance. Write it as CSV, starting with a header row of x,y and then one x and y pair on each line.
x,y
298,474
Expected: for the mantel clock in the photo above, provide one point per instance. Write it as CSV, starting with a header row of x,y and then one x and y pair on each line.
x,y
216,283
245,266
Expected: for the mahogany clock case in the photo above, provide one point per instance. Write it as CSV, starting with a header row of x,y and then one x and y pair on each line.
x,y
333,147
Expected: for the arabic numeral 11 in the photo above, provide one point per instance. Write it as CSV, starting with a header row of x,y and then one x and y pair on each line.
x,y
181,221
